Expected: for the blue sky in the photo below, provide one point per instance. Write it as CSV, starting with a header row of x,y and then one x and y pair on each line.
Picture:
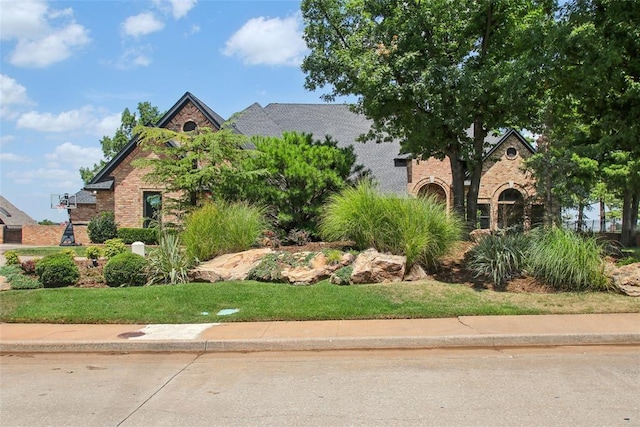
x,y
69,68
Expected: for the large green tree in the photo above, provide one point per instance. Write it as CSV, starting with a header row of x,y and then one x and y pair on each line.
x,y
426,70
190,166
601,57
146,114
297,176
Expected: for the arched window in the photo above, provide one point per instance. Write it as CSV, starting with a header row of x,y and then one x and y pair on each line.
x,y
510,209
433,190
189,126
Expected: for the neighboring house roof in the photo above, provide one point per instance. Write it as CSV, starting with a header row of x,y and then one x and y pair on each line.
x,y
337,121
12,216
102,180
84,197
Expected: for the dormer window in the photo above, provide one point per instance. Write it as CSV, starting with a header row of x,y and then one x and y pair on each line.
x,y
189,126
511,153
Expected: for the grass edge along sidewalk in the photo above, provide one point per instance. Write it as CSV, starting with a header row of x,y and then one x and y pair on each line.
x,y
201,303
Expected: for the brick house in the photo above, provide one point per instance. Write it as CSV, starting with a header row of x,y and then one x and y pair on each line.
x,y
506,192
12,221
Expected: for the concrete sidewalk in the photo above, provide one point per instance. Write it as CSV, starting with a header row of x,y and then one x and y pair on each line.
x,y
461,332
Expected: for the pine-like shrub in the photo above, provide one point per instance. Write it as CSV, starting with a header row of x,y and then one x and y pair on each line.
x,y
57,270
125,269
148,236
102,227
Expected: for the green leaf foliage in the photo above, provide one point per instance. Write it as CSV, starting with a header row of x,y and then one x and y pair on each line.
x,y
102,227
57,270
126,269
297,176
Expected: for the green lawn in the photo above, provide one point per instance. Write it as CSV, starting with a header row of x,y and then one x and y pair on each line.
x,y
199,302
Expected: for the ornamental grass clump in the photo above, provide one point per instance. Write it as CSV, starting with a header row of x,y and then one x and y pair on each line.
x,y
499,257
222,227
168,263
567,261
418,228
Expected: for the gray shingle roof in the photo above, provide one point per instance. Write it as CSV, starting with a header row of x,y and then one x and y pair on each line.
x,y
335,120
12,216
85,197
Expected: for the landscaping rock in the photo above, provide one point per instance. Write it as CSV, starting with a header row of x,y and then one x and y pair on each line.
x,y
318,269
372,266
415,273
626,278
478,234
230,266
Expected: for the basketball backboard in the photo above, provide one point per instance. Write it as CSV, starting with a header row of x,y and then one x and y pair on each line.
x,y
63,201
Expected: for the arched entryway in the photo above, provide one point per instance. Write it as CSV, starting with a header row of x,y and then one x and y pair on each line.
x,y
510,209
433,190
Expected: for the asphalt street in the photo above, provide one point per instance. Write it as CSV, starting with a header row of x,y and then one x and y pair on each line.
x,y
577,386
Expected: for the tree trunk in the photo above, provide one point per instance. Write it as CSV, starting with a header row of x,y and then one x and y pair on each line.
x,y
475,169
603,216
629,218
457,177
580,223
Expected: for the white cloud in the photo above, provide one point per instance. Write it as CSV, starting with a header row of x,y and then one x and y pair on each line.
x,y
86,119
48,50
12,94
23,19
179,8
134,57
74,155
46,177
14,158
141,25
6,140
41,40
265,41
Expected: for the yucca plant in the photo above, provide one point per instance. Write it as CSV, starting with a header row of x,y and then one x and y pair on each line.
x,y
222,227
499,257
567,261
418,228
168,263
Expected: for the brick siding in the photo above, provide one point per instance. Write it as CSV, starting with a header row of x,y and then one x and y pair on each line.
x,y
50,235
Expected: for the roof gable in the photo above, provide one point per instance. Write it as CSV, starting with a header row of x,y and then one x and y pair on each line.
x,y
504,138
11,215
100,180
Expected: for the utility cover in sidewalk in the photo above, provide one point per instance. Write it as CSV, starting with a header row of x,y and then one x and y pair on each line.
x,y
228,311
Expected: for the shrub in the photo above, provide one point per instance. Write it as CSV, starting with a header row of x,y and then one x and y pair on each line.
x,y
298,237
11,258
125,269
57,270
499,257
342,276
29,266
224,227
102,227
113,247
168,264
566,260
148,236
93,252
17,280
418,228
268,270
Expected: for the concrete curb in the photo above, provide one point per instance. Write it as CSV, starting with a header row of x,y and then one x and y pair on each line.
x,y
322,344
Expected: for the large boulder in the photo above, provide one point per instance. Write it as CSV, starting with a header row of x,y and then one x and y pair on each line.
x,y
626,278
230,266
372,266
318,268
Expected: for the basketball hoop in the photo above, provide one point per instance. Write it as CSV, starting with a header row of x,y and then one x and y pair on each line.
x,y
64,203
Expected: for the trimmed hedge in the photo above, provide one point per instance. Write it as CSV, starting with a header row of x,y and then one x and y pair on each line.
x,y
126,269
148,236
57,270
